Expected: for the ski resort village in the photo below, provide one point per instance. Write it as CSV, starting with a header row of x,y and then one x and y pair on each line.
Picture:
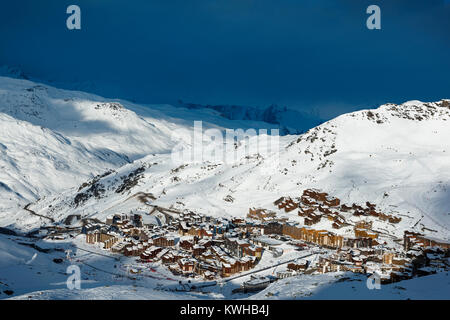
x,y
197,251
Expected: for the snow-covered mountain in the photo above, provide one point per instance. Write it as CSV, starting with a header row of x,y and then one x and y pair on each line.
x,y
73,153
53,139
395,156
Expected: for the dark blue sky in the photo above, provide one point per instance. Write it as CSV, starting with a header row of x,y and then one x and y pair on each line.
x,y
300,53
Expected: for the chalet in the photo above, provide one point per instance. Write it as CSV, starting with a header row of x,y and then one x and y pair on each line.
x,y
324,209
306,200
338,224
331,201
168,258
253,251
304,211
230,266
231,245
136,220
186,243
300,265
247,263
373,213
370,205
164,241
394,219
183,229
315,194
350,268
287,203
198,250
187,265
148,254
279,201
131,250
338,221
291,205
436,257
207,255
311,219
321,237
226,270
241,246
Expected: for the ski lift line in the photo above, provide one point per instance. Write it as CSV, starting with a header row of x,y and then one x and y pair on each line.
x,y
100,254
105,271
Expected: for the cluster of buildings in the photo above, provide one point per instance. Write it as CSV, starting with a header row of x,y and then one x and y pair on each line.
x,y
314,205
188,245
421,256
361,253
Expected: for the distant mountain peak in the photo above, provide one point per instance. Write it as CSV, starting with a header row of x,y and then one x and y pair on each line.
x,y
289,121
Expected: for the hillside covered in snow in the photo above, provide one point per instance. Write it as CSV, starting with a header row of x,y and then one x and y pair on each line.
x,y
53,139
